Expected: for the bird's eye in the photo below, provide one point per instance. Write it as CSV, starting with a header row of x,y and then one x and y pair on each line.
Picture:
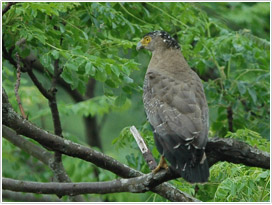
x,y
147,39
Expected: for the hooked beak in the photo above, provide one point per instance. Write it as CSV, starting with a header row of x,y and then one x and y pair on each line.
x,y
139,46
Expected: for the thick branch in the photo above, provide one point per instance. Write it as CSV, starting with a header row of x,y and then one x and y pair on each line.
x,y
24,127
231,150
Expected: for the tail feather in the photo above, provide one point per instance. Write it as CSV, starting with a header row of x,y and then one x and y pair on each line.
x,y
189,162
197,174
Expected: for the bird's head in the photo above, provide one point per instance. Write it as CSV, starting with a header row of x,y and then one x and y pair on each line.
x,y
157,39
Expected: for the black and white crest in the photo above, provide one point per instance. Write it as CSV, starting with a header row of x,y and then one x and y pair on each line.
x,y
169,40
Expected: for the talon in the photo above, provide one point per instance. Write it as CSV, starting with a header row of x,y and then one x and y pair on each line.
x,y
162,165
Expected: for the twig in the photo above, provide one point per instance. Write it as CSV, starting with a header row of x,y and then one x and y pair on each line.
x,y
152,164
8,6
17,85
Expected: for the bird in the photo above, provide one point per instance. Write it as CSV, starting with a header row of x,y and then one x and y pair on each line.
x,y
176,108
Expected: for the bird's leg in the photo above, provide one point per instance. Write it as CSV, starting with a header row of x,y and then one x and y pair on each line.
x,y
162,164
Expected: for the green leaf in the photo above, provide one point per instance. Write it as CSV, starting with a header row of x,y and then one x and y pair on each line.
x,y
85,35
62,28
67,76
111,83
45,59
241,87
55,54
89,69
115,70
100,75
128,79
72,66
120,100
252,93
41,38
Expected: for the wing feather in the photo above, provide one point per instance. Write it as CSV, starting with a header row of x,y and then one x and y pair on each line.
x,y
173,107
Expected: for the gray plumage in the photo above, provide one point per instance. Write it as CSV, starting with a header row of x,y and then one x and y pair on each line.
x,y
176,107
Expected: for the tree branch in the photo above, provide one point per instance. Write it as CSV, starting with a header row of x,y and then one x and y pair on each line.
x,y
27,197
24,127
36,151
238,152
17,85
40,87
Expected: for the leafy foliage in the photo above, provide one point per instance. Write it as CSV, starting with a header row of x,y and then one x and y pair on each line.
x,y
227,44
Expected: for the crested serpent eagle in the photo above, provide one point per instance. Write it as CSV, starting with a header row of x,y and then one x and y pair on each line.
x,y
176,107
